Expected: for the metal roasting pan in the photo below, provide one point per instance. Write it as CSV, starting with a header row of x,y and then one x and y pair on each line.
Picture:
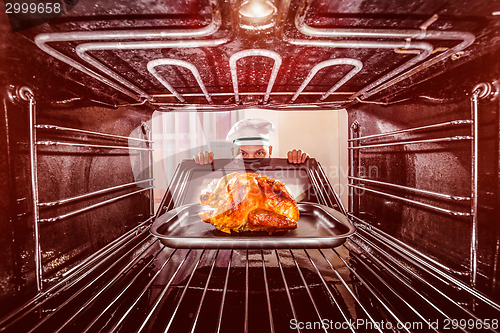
x,y
318,227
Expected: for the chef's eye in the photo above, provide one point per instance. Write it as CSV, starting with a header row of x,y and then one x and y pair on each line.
x,y
243,154
261,153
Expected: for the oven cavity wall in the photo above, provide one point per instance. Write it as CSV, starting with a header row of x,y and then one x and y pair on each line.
x,y
90,188
417,186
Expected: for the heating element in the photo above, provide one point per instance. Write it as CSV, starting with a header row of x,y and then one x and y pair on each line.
x,y
425,47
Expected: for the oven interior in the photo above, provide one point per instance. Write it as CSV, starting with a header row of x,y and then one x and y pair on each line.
x,y
419,81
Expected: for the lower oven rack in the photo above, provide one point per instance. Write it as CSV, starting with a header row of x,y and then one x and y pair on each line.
x,y
370,284
358,287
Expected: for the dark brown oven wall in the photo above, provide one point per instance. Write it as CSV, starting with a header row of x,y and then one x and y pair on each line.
x,y
442,166
69,165
69,231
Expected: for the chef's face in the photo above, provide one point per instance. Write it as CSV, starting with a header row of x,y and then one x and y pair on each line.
x,y
254,151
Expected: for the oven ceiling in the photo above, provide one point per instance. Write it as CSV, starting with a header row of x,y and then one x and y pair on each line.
x,y
177,53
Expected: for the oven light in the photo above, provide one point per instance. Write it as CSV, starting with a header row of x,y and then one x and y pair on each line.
x,y
257,14
256,9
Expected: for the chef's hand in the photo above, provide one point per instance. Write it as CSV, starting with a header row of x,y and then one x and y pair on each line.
x,y
297,156
204,157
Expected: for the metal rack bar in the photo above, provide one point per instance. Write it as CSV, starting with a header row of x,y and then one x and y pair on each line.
x,y
329,202
148,135
86,267
495,265
307,289
254,52
190,107
417,203
180,188
34,194
268,296
245,330
326,187
396,293
275,93
394,271
350,291
352,130
446,139
408,250
102,203
287,289
96,279
415,275
315,182
168,196
176,62
71,144
134,232
141,294
412,189
204,292
332,297
446,278
414,129
315,177
163,292
109,285
332,191
224,293
172,316
173,193
474,185
372,291
87,195
107,135
144,290
358,65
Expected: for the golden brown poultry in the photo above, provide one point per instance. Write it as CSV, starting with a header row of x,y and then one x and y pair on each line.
x,y
249,201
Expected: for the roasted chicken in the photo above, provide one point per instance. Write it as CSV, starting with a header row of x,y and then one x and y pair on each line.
x,y
250,202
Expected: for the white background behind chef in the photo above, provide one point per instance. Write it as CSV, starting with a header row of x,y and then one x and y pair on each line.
x,y
250,139
179,135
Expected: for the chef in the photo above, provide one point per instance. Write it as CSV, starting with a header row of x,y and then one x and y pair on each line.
x,y
250,139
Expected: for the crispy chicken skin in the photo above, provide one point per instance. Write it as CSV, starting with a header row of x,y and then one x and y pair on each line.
x,y
249,201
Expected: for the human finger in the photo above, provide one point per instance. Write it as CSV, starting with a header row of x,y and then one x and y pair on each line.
x,y
304,157
196,159
206,157
211,157
298,156
291,156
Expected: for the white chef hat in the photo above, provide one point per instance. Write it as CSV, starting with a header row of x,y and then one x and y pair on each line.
x,y
248,132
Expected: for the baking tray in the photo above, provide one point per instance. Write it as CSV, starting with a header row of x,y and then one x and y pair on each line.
x,y
318,227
